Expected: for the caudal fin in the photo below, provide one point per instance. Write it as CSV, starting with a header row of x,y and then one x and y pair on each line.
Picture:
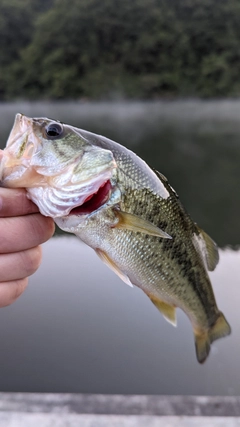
x,y
220,329
203,340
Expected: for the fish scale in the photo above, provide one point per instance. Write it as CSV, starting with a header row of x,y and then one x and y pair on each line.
x,y
167,257
127,212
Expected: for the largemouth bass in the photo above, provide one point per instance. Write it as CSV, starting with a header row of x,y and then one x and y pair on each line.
x,y
126,211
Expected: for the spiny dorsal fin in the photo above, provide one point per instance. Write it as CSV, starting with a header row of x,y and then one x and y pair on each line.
x,y
134,223
167,310
208,249
165,182
160,175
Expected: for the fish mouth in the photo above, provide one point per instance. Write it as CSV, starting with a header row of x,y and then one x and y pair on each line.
x,y
94,201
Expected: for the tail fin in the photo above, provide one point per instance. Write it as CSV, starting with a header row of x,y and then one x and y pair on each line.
x,y
220,329
203,345
203,340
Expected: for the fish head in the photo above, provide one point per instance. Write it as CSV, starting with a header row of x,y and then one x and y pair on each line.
x,y
60,169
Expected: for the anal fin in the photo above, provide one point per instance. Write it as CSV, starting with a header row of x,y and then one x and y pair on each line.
x,y
111,264
168,311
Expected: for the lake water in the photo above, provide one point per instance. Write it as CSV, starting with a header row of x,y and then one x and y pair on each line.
x,y
78,328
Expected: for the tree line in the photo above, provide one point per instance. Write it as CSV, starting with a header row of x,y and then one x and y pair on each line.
x,y
57,49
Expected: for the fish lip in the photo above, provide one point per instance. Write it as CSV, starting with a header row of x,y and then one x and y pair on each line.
x,y
94,201
21,146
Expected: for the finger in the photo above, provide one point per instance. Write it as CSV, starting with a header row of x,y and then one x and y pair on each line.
x,y
24,232
10,291
14,202
19,265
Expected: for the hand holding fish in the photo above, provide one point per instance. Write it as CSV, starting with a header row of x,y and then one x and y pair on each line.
x,y
22,230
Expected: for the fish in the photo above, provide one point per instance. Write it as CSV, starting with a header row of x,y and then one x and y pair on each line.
x,y
125,210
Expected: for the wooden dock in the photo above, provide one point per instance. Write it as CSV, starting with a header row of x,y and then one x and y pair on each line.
x,y
83,410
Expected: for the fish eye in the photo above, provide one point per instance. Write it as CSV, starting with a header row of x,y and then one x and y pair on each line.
x,y
54,130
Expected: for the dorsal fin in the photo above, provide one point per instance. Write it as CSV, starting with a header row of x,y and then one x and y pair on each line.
x,y
165,182
160,175
207,248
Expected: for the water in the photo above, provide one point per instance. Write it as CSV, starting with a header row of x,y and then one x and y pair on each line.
x,y
78,328
194,143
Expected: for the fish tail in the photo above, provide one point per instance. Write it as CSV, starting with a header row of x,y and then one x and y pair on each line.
x,y
203,340
220,329
203,346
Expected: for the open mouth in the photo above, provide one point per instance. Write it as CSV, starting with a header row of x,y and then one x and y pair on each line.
x,y
94,201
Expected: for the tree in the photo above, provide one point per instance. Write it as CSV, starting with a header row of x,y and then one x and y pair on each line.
x,y
137,48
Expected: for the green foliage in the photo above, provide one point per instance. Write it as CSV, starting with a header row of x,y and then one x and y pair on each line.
x,y
109,48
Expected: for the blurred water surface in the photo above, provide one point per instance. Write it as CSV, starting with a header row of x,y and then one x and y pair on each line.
x,y
194,143
78,328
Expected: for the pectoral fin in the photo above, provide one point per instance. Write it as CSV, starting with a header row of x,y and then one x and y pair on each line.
x,y
167,310
132,222
111,264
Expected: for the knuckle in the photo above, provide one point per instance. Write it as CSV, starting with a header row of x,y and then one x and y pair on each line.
x,y
7,235
24,232
14,202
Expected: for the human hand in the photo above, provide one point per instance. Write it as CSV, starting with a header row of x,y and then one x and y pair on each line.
x,y
22,230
